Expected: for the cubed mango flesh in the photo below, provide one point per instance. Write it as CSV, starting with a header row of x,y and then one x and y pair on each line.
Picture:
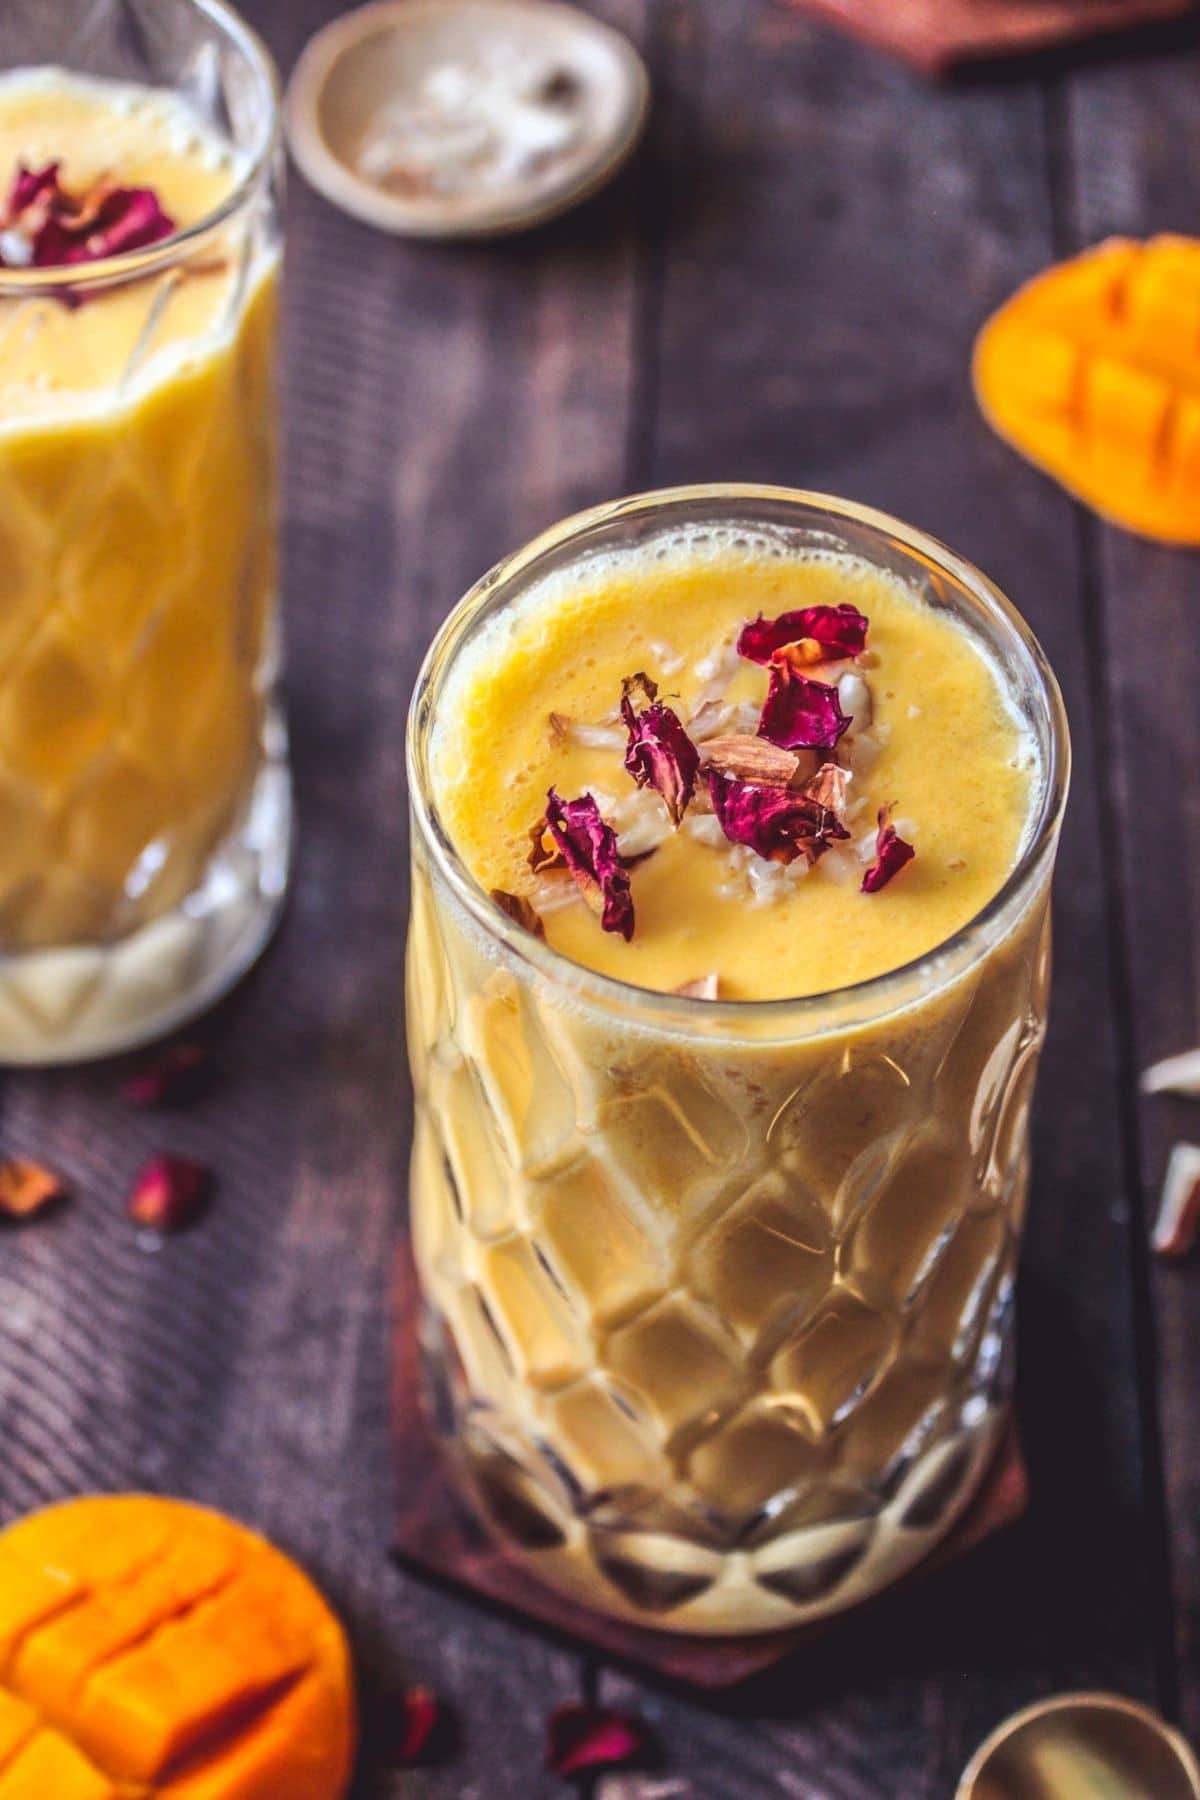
x,y
149,1648
1092,371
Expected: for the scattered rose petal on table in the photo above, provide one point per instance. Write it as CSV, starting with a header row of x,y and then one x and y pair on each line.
x,y
1178,1223
581,1735
413,1726
26,1188
891,854
168,1193
180,1073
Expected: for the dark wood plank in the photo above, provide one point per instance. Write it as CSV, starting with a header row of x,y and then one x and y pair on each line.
x,y
837,232
1131,133
442,405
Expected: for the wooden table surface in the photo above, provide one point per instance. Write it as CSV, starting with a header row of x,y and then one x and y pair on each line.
x,y
784,287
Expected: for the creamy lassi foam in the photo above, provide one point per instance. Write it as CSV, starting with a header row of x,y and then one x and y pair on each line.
x,y
137,519
718,1306
533,700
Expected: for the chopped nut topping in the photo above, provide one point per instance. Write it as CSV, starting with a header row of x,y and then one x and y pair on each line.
x,y
1174,1075
519,909
559,727
705,987
751,759
1179,1213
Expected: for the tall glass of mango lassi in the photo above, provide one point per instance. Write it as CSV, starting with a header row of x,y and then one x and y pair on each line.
x,y
735,811
144,795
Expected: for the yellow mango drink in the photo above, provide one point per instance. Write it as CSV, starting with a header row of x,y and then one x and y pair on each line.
x,y
142,829
735,812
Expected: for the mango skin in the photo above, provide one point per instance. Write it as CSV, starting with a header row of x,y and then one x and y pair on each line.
x,y
1092,372
153,1650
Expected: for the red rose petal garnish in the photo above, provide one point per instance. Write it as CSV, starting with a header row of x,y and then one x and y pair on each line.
x,y
168,1193
26,1188
582,1735
891,854
774,822
179,1074
661,755
834,631
589,848
799,714
57,229
418,1715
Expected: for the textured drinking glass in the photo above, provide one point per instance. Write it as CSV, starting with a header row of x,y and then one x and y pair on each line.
x,y
145,805
717,1296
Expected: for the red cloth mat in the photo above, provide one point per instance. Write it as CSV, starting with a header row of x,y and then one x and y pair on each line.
x,y
938,35
436,1534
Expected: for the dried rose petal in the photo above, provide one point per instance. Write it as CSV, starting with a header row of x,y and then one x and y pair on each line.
x,y
799,714
589,848
891,854
179,1074
775,822
705,987
836,631
633,685
168,1192
418,1715
582,1735
57,228
661,755
26,1188
541,854
520,910
1178,1223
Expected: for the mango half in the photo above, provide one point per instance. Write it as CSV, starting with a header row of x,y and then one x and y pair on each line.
x,y
151,1648
1092,371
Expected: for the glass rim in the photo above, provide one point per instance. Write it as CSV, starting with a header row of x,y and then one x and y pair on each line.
x,y
969,941
153,256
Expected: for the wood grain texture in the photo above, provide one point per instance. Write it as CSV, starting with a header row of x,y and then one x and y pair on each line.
x,y
1127,140
785,285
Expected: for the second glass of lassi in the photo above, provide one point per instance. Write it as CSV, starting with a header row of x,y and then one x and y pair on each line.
x,y
144,797
735,812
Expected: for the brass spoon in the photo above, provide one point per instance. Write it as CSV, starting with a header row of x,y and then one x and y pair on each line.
x,y
1082,1747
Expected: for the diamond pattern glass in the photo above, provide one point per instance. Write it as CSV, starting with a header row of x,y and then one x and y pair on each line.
x,y
141,759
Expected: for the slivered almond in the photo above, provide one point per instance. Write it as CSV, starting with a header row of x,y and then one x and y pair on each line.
x,y
1174,1075
1178,1221
705,987
751,759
